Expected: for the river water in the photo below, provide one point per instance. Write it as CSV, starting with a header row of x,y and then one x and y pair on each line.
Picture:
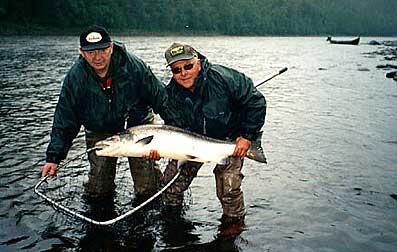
x,y
330,138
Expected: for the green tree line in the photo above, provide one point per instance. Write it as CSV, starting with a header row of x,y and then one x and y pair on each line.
x,y
229,17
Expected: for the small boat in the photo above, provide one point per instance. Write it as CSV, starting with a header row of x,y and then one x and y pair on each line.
x,y
344,42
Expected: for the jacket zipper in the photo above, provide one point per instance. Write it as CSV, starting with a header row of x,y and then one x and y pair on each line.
x,y
109,93
204,126
126,116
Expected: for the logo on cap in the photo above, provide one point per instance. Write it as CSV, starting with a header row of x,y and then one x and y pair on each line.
x,y
177,50
93,37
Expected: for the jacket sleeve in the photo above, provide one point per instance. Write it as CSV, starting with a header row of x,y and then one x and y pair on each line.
x,y
251,105
66,124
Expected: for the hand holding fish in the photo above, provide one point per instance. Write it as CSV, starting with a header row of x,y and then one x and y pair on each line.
x,y
49,169
242,147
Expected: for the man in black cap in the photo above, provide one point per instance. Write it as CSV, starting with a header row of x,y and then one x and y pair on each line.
x,y
106,90
221,103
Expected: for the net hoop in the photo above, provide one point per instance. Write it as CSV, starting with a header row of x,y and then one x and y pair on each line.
x,y
79,216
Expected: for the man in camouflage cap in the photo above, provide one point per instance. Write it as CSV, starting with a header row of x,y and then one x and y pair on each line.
x,y
218,102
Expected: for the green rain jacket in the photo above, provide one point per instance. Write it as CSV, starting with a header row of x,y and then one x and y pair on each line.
x,y
134,91
224,105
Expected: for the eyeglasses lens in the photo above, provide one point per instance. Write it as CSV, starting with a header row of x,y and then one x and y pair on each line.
x,y
178,70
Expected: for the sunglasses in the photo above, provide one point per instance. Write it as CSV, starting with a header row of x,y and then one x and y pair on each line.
x,y
178,70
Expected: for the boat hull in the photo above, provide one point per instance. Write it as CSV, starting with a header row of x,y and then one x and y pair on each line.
x,y
355,41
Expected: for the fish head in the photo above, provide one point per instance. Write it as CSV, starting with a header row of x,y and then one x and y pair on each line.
x,y
112,146
123,144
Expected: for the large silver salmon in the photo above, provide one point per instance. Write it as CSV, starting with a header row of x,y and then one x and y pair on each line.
x,y
171,142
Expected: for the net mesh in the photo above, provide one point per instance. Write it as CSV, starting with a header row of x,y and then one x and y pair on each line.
x,y
67,190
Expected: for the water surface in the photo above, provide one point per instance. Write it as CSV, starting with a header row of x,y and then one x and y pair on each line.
x,y
330,138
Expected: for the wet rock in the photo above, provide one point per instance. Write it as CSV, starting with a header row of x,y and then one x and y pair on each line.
x,y
391,74
394,196
388,50
373,42
390,57
387,66
390,43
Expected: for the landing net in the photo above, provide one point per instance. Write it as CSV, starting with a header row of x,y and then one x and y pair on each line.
x,y
66,192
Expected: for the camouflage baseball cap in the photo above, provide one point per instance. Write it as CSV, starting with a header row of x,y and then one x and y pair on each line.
x,y
178,51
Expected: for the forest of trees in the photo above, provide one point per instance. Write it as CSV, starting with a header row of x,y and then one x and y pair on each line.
x,y
229,17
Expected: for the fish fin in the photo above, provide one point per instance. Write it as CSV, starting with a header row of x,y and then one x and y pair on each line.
x,y
180,164
145,140
256,151
224,161
191,157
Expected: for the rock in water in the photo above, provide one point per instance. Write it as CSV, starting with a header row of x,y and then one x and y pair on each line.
x,y
391,74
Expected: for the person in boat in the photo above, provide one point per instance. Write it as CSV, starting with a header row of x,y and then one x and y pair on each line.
x,y
218,102
106,90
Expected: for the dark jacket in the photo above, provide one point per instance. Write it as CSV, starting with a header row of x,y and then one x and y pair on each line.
x,y
224,105
134,91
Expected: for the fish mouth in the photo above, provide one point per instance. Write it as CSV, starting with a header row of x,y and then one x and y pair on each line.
x,y
100,146
98,149
94,149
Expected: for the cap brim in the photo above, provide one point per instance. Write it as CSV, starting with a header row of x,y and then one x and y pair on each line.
x,y
179,58
95,46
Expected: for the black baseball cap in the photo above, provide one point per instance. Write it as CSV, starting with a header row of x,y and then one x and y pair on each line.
x,y
94,38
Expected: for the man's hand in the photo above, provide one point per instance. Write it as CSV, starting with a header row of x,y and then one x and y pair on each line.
x,y
242,146
49,169
153,155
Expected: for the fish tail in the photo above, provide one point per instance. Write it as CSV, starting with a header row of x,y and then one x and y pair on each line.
x,y
256,151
